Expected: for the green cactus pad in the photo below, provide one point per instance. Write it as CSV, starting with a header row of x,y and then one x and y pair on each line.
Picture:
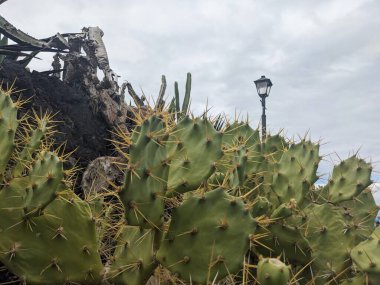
x,y
105,217
271,271
318,194
216,180
360,214
241,134
329,238
242,158
360,279
242,155
260,206
286,241
145,180
45,180
366,255
348,179
52,248
134,257
207,238
296,172
274,147
194,147
236,170
8,126
33,142
272,150
283,211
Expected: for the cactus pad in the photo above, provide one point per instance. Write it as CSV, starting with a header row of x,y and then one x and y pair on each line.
x,y
366,256
329,238
194,147
296,172
51,248
349,179
8,126
134,257
145,180
207,238
271,271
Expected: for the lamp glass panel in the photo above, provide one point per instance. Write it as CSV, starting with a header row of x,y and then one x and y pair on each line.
x,y
262,87
268,89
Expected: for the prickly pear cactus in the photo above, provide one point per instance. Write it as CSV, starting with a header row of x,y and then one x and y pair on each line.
x,y
51,248
202,203
8,127
134,256
349,179
146,177
197,246
241,154
194,147
180,157
366,256
271,271
40,240
296,172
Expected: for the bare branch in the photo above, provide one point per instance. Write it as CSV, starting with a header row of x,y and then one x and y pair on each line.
x,y
160,100
139,102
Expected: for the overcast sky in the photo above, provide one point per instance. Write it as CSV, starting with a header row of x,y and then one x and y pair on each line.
x,y
323,58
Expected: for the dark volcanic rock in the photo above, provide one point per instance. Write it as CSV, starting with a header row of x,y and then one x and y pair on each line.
x,y
82,130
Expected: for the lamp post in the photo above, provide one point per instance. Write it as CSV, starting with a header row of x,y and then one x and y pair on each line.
x,y
263,86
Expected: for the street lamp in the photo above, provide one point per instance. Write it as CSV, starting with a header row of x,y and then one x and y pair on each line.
x,y
263,86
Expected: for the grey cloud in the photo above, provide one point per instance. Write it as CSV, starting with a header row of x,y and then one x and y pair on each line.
x,y
322,56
